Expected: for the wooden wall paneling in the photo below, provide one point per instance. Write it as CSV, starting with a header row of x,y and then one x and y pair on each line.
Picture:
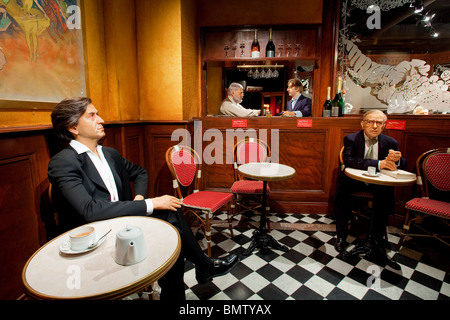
x,y
328,41
19,229
113,137
133,141
254,12
23,168
157,141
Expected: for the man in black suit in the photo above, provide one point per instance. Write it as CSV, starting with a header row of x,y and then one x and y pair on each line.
x,y
299,105
92,183
357,154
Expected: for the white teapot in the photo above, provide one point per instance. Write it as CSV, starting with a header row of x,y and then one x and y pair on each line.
x,y
130,246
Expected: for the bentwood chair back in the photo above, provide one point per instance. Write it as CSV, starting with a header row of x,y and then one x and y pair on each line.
x,y
185,167
248,193
433,200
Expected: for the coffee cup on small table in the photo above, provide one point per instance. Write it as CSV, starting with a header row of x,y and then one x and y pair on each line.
x,y
81,238
371,170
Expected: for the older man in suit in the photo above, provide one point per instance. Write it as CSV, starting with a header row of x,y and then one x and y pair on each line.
x,y
231,105
368,147
92,183
299,105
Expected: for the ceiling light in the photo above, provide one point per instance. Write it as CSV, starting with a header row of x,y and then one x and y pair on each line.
x,y
427,17
417,5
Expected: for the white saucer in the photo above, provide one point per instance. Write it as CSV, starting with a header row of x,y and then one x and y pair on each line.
x,y
64,247
372,175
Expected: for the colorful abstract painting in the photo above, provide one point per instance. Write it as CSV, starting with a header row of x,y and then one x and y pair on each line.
x,y
41,50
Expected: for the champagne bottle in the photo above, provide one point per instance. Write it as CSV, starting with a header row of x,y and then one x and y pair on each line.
x,y
327,106
270,47
337,109
255,46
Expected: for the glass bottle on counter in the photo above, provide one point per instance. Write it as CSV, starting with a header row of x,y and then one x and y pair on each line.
x,y
256,53
337,109
267,111
327,106
270,47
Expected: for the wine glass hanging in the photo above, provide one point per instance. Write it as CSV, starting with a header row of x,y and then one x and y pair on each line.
x,y
261,71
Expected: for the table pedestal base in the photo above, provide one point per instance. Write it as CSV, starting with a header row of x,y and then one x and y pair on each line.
x,y
263,241
373,252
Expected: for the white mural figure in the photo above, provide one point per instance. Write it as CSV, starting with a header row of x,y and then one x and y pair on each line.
x,y
402,87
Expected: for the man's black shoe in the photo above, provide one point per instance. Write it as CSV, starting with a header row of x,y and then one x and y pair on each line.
x,y
340,245
216,267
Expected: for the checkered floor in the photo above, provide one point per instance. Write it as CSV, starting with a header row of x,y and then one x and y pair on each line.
x,y
310,270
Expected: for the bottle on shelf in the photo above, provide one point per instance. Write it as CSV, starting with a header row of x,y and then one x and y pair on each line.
x,y
267,111
327,106
270,47
337,109
256,52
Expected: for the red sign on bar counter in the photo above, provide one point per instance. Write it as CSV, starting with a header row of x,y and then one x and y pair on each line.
x,y
304,123
396,124
239,123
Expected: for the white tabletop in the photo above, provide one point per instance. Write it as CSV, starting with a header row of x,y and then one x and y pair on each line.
x,y
380,179
50,274
266,171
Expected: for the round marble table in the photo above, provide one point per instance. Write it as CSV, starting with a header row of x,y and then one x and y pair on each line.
x,y
52,274
369,248
265,171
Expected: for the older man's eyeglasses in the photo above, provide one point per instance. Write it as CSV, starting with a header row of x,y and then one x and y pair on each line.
x,y
372,122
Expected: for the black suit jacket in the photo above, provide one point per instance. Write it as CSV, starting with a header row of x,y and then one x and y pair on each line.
x,y
80,196
303,104
384,200
354,145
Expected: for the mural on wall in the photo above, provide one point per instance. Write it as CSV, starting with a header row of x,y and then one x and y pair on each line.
x,y
408,87
41,50
403,87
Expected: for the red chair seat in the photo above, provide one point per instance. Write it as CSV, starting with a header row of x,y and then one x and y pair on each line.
x,y
207,200
248,187
430,206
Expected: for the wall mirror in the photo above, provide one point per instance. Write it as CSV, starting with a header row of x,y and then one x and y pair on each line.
x,y
395,56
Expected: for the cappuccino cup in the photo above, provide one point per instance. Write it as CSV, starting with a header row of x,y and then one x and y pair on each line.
x,y
81,238
371,171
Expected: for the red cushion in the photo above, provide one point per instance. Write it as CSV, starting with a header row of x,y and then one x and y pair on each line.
x,y
248,186
184,166
438,171
207,200
430,206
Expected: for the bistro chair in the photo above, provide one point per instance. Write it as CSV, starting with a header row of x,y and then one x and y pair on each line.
x,y
248,193
433,188
185,167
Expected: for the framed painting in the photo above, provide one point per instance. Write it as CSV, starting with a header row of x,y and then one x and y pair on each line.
x,y
41,53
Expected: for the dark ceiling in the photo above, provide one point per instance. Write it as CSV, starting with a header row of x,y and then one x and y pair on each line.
x,y
402,30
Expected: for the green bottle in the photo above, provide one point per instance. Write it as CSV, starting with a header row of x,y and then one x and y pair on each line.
x,y
337,109
327,106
